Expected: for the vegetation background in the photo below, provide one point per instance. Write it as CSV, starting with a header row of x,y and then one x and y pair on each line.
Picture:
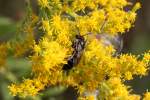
x,y
12,12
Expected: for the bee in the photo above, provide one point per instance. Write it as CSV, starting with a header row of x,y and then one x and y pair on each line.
x,y
78,46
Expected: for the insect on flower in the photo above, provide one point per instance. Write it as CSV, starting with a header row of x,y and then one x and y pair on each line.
x,y
78,46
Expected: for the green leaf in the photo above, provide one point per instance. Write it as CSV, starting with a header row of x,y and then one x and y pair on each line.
x,y
7,26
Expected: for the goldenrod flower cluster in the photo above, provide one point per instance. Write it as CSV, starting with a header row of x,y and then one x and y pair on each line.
x,y
59,21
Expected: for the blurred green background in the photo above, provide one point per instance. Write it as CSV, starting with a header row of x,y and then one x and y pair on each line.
x,y
136,41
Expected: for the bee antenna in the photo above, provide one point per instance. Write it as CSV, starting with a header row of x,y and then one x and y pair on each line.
x,y
87,34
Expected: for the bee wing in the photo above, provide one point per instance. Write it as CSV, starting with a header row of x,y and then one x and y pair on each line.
x,y
115,41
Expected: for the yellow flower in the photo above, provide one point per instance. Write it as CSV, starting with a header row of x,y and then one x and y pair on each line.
x,y
146,96
45,25
128,75
43,3
56,23
147,57
136,7
28,87
91,97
